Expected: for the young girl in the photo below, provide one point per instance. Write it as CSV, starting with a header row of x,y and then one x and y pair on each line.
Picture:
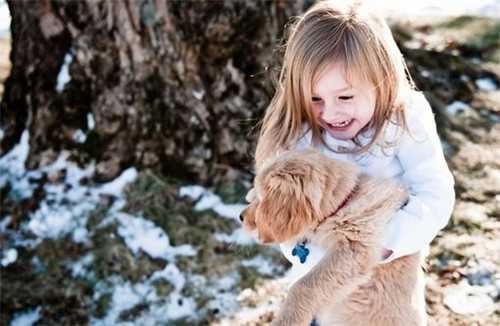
x,y
344,89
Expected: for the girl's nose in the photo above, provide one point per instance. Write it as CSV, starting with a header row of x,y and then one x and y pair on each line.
x,y
331,113
327,114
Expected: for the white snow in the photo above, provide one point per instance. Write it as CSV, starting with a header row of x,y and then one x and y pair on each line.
x,y
486,84
63,77
126,295
263,265
141,234
27,318
4,223
80,267
67,205
179,306
70,197
79,136
199,94
225,299
90,121
208,200
66,211
194,192
12,166
239,236
116,186
457,107
425,73
51,221
229,210
9,256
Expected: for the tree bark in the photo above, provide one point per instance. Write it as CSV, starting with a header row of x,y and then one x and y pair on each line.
x,y
175,86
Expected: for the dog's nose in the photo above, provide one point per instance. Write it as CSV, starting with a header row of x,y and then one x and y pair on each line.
x,y
242,215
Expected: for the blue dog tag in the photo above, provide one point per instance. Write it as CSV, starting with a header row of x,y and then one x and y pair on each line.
x,y
301,251
314,323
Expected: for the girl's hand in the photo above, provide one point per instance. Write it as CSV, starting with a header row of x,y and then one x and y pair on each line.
x,y
386,253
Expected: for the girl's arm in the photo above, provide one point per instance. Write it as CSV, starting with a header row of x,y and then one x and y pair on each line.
x,y
429,182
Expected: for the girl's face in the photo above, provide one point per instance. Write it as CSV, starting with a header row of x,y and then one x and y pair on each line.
x,y
342,108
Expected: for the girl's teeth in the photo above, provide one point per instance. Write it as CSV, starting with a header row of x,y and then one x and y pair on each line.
x,y
341,124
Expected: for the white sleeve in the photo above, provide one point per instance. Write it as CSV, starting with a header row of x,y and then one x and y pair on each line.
x,y
429,182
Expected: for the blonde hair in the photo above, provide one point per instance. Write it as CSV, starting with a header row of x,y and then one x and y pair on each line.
x,y
330,31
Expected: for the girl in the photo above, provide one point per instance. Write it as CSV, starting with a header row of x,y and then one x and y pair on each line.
x,y
345,90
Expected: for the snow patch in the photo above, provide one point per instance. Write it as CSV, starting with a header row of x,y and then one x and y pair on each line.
x,y
141,234
12,168
9,256
27,318
486,84
67,205
239,236
126,295
208,200
262,265
116,186
63,77
457,107
90,121
79,136
81,268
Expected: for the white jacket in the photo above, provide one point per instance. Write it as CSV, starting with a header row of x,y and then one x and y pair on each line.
x,y
419,164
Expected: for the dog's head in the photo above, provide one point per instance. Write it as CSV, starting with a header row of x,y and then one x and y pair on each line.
x,y
289,199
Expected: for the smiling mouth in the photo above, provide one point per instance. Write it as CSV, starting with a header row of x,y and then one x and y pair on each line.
x,y
340,124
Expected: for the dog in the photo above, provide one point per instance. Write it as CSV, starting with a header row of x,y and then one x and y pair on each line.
x,y
304,196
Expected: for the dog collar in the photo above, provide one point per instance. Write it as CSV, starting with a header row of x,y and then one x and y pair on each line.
x,y
300,248
345,201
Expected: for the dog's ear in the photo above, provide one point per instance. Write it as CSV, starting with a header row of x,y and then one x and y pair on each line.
x,y
290,204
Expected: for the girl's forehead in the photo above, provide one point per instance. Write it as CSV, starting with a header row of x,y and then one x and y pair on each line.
x,y
334,77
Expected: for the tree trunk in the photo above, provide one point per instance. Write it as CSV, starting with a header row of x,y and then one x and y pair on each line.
x,y
175,86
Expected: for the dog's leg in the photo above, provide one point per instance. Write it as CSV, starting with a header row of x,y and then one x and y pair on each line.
x,y
339,273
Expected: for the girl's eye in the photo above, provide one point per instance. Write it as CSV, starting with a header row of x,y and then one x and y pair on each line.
x,y
346,98
316,99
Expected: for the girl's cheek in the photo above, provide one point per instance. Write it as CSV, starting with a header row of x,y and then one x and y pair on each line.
x,y
317,110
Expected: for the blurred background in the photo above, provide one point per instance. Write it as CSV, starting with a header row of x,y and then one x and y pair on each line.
x,y
126,145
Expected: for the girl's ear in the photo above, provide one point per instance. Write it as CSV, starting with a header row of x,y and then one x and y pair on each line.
x,y
287,209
